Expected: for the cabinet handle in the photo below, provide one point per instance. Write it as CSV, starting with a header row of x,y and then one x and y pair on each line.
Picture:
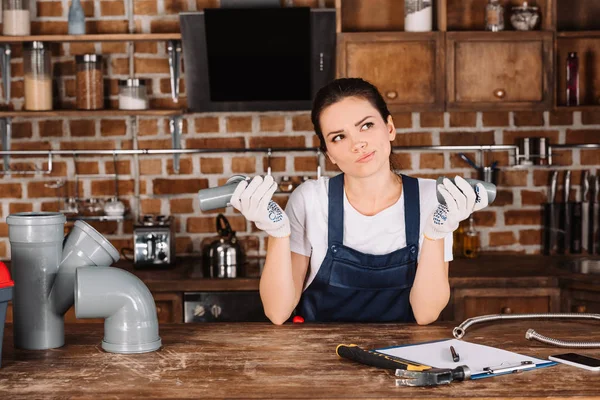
x,y
506,310
215,310
500,93
392,94
158,309
580,309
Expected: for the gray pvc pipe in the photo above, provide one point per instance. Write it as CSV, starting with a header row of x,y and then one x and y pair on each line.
x,y
130,324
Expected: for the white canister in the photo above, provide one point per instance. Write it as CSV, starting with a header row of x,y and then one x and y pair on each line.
x,y
418,15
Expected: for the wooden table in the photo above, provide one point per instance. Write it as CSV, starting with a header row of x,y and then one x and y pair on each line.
x,y
251,361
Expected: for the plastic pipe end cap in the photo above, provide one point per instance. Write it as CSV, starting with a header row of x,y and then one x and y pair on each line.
x,y
5,280
132,348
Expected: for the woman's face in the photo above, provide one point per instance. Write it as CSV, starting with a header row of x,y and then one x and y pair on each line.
x,y
357,137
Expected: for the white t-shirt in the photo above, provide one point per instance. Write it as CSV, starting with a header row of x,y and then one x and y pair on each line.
x,y
381,233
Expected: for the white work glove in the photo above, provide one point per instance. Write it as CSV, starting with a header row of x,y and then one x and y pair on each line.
x,y
253,200
461,202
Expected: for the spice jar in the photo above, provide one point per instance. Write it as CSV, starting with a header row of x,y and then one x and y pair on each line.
x,y
494,16
15,18
133,94
38,76
89,83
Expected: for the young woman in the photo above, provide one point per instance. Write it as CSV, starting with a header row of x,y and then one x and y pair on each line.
x,y
368,244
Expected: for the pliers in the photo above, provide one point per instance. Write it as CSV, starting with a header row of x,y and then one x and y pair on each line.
x,y
408,373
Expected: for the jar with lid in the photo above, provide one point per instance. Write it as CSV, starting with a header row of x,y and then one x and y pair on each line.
x,y
89,83
15,18
37,60
494,16
133,94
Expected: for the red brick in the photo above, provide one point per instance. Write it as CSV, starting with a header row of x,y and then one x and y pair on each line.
x,y
402,161
495,118
164,26
119,66
165,86
148,127
112,8
42,145
19,207
49,27
145,7
561,118
182,206
184,245
503,198
107,187
302,123
207,224
402,120
582,136
206,124
155,144
530,237
151,65
52,206
58,168
88,145
531,198
512,178
113,127
175,6
459,119
466,138
243,164
17,90
590,157
277,141
304,164
202,4
501,239
431,161
21,130
432,120
39,189
562,157
87,167
277,164
529,118
151,206
49,9
272,123
178,186
123,167
88,8
522,217
109,48
186,166
216,143
510,137
107,26
485,218
590,117
211,165
413,139
147,48
11,190
239,124
82,127
82,48
150,167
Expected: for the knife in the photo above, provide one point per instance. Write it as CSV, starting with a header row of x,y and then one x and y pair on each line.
x,y
594,216
553,185
577,218
564,239
585,210
550,217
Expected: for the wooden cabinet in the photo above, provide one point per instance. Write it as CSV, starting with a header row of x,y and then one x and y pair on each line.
x,y
507,70
467,302
578,300
407,69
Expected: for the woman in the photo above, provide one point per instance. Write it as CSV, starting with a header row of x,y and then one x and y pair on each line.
x,y
347,248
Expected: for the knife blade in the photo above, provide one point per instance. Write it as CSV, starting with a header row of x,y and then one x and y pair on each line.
x,y
550,217
567,186
553,185
564,239
577,219
585,209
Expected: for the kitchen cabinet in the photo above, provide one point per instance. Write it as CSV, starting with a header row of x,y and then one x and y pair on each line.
x,y
169,307
468,302
492,71
407,69
581,300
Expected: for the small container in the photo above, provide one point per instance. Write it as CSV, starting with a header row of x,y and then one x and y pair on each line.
x,y
471,240
38,76
89,82
6,294
133,94
92,207
418,15
494,16
525,17
15,18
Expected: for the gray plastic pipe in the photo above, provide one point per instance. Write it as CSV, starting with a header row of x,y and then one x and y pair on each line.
x,y
130,324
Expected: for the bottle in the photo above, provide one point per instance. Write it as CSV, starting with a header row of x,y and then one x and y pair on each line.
x,y
76,18
572,79
494,16
471,240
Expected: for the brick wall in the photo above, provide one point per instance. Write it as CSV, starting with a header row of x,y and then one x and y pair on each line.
x,y
512,224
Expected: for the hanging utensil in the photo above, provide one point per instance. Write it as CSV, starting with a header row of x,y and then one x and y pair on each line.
x,y
468,160
550,216
114,207
585,210
577,219
564,238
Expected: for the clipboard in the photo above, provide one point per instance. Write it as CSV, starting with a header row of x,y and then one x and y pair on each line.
x,y
483,361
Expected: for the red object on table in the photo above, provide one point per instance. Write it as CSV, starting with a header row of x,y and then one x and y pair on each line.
x,y
5,280
298,320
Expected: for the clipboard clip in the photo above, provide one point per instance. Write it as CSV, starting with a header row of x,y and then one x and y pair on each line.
x,y
502,369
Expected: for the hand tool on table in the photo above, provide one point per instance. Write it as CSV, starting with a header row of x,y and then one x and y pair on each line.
x,y
550,216
576,233
585,210
408,372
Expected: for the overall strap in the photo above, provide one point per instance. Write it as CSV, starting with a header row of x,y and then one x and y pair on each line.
x,y
412,209
336,210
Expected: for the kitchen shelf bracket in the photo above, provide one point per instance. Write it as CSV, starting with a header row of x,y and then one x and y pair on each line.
x,y
176,126
174,50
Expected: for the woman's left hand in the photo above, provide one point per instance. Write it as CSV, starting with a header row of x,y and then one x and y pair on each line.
x,y
461,201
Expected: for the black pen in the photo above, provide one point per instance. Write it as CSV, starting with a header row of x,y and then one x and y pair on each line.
x,y
455,356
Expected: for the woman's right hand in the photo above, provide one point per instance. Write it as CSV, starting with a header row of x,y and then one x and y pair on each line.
x,y
253,200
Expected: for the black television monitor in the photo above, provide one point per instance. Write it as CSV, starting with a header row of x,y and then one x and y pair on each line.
x,y
257,59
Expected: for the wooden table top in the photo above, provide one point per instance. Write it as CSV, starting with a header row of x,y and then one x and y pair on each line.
x,y
293,361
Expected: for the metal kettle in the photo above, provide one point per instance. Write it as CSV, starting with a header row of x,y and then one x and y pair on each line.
x,y
225,256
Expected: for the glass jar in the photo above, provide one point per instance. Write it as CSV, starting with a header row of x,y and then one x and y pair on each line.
x,y
418,15
37,60
89,82
15,18
494,16
133,94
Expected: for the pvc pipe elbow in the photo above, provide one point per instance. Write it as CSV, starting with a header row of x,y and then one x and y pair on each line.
x,y
130,325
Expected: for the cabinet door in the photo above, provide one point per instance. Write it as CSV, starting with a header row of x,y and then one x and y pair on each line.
x,y
476,302
505,70
169,307
408,69
581,301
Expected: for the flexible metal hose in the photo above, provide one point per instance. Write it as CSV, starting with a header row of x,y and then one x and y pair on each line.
x,y
460,330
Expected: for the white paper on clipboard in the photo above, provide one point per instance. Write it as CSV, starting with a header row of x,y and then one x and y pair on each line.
x,y
475,356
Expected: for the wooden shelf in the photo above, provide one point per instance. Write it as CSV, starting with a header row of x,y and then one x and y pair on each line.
x,y
113,37
578,34
584,107
89,113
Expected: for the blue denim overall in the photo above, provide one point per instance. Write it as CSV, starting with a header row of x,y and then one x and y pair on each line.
x,y
355,287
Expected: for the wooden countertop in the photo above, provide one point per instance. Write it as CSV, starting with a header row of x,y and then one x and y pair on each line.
x,y
259,360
